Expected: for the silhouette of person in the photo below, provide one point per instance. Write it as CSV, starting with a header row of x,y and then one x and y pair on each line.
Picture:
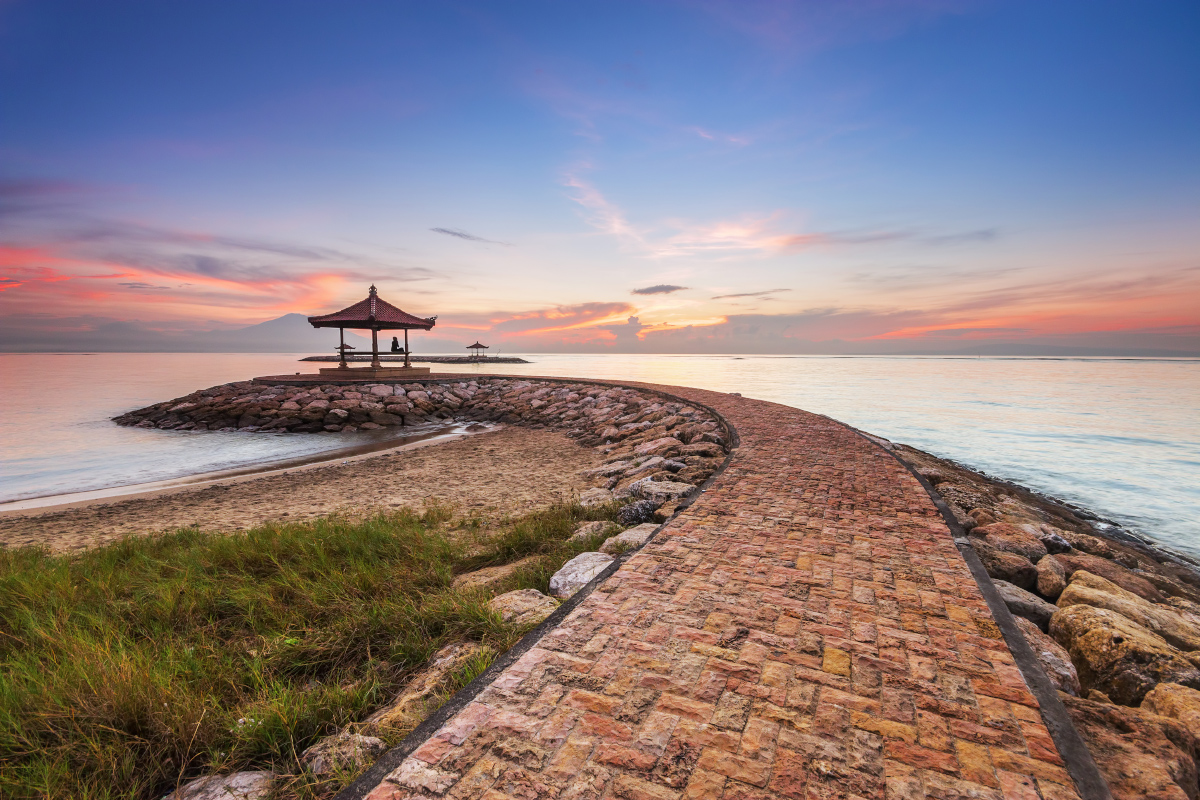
x,y
396,348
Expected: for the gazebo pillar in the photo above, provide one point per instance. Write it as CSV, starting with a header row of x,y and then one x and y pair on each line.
x,y
342,349
375,347
406,348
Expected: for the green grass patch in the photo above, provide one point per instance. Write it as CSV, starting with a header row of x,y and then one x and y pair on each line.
x,y
131,668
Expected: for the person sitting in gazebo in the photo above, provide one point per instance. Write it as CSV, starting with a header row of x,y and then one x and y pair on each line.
x,y
396,348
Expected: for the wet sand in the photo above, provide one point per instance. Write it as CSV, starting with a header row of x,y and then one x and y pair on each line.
x,y
509,470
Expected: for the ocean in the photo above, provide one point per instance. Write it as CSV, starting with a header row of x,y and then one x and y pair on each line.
x,y
1117,436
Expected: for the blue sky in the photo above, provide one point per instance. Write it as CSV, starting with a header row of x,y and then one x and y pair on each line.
x,y
891,174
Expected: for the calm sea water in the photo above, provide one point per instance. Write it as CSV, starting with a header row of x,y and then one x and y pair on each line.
x,y
1118,436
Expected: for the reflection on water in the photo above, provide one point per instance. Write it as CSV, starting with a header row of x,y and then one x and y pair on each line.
x,y
1119,436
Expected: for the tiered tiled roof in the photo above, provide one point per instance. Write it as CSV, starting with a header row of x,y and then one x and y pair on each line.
x,y
373,312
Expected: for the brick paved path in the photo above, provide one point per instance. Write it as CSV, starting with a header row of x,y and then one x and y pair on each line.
x,y
807,629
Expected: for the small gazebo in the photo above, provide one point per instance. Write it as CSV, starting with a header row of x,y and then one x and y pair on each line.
x,y
477,349
374,314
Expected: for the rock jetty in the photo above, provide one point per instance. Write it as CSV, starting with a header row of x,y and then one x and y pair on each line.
x,y
658,450
1114,621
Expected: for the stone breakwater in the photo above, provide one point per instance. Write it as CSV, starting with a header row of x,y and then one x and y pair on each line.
x,y
1114,621
658,450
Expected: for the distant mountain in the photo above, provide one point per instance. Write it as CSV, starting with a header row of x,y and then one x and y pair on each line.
x,y
290,333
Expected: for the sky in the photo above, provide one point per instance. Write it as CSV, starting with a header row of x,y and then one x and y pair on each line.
x,y
747,176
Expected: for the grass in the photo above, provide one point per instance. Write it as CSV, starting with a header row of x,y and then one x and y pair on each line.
x,y
132,668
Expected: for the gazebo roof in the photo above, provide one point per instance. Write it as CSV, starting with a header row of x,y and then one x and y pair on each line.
x,y
477,344
372,313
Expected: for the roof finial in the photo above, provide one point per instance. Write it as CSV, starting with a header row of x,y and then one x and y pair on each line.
x,y
373,291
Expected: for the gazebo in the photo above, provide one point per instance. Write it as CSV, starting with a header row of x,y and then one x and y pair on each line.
x,y
374,314
477,348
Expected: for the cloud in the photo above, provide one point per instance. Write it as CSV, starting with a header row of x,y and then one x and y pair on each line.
x,y
470,237
750,294
659,288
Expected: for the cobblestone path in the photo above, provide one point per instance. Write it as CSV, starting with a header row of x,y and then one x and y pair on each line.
x,y
807,629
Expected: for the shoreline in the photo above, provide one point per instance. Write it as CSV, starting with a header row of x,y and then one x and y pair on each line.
x,y
50,503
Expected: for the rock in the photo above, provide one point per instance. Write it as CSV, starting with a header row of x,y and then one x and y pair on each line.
x,y
1089,544
411,705
1055,661
1005,566
1088,589
934,476
342,752
382,391
247,785
1141,755
703,449
667,445
523,606
595,497
1051,577
637,512
586,530
1010,538
649,465
607,470
630,539
336,416
1026,604
1122,577
1118,656
1055,544
577,573
1175,701
662,491
489,576
983,516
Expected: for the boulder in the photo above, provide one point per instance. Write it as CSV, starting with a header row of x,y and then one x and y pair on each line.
x,y
983,516
1054,541
595,497
1010,538
1055,661
1026,604
586,530
577,573
523,606
1117,656
1051,577
607,470
637,512
489,576
247,785
1088,544
1141,755
652,464
667,445
342,752
662,491
1175,701
630,539
1005,566
412,704
703,449
1088,589
1122,577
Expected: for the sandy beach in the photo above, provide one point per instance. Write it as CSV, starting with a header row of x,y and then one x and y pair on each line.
x,y
506,470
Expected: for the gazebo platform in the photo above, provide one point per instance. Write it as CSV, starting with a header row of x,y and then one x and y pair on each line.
x,y
354,373
333,376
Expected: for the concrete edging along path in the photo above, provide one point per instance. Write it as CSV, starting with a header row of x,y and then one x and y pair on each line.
x,y
807,628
